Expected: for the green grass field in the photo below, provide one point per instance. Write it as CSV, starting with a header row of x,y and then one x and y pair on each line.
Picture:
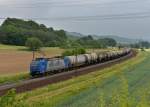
x,y
23,48
123,85
10,47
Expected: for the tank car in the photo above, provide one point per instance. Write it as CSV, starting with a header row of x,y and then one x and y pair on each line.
x,y
88,58
55,64
94,57
101,56
73,61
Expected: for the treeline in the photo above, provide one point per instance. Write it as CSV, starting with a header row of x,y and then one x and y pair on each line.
x,y
17,31
90,42
141,44
138,45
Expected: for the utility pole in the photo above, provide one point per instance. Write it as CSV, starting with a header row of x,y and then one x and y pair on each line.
x,y
76,60
33,54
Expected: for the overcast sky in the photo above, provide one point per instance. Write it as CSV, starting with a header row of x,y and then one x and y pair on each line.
x,y
127,18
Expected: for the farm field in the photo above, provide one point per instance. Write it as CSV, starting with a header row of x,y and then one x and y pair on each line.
x,y
16,59
123,85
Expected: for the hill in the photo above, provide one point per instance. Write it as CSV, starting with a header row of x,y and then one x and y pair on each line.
x,y
74,35
16,31
119,39
122,40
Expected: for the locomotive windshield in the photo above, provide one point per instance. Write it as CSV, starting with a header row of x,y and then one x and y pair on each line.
x,y
35,63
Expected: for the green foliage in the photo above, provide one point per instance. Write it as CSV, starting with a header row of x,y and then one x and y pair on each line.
x,y
101,100
10,47
16,31
13,78
75,51
67,53
104,88
34,44
141,44
107,42
124,93
89,42
10,100
142,49
144,44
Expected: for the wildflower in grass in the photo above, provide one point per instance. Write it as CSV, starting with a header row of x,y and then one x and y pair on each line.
x,y
143,100
101,100
115,99
124,92
10,100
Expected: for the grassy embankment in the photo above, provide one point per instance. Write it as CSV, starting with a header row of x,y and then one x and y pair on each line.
x,y
122,85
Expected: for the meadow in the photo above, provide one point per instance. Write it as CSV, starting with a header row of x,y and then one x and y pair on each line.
x,y
122,85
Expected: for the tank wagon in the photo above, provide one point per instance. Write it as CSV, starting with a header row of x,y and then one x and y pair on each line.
x,y
74,61
41,66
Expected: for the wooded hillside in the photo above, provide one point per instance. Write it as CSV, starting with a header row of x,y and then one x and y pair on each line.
x,y
16,32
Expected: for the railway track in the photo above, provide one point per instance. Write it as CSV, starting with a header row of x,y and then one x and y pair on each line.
x,y
31,84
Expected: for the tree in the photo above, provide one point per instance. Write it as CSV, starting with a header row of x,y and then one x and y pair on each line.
x,y
106,42
141,44
75,51
15,32
34,44
144,44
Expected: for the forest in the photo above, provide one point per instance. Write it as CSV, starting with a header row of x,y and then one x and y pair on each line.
x,y
15,31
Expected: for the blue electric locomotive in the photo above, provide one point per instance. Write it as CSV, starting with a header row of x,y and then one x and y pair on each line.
x,y
38,66
41,66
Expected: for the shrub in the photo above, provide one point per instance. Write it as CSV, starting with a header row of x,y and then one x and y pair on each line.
x,y
75,51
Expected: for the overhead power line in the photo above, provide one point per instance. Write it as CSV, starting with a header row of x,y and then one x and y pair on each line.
x,y
140,15
70,3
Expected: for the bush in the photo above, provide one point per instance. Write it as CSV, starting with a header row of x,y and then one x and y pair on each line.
x,y
16,31
34,44
10,100
75,51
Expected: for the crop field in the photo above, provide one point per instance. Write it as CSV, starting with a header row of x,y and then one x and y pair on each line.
x,y
123,85
16,59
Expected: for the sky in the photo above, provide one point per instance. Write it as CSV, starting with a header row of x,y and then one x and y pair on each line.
x,y
125,18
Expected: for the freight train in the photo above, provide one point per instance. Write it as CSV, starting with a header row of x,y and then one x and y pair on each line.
x,y
41,66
